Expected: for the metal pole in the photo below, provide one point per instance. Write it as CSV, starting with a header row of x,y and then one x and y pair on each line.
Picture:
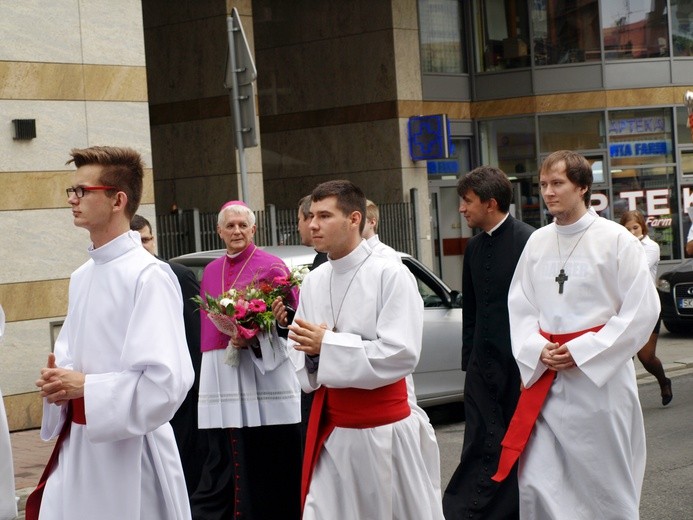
x,y
272,210
414,197
197,230
236,108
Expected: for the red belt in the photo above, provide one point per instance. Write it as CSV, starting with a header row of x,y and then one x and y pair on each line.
x,y
528,408
349,408
75,413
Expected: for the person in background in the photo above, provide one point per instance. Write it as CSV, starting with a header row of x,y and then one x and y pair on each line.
x,y
8,501
304,230
192,445
635,223
251,411
370,233
581,304
492,383
355,340
121,366
689,238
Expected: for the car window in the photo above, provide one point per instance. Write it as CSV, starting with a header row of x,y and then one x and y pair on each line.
x,y
428,295
431,293
198,270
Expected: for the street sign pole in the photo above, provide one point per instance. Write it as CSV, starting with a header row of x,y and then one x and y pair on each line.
x,y
236,110
240,75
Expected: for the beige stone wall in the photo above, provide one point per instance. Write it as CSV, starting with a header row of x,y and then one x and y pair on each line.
x,y
77,67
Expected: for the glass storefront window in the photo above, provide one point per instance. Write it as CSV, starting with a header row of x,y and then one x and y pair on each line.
x,y
502,31
565,32
440,29
509,144
682,27
635,29
638,137
653,192
580,131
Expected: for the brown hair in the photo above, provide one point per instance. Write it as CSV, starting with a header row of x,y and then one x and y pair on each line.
x,y
304,206
487,183
121,167
349,197
637,217
138,222
577,169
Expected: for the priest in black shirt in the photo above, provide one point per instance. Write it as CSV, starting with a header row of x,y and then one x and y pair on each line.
x,y
492,384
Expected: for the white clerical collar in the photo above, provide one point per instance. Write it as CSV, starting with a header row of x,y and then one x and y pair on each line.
x,y
353,259
490,231
580,225
116,247
235,255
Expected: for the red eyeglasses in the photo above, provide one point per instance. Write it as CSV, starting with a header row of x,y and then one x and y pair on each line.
x,y
79,191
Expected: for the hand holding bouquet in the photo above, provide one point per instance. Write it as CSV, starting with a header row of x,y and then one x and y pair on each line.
x,y
244,313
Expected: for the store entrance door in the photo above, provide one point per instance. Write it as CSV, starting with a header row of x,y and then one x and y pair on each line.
x,y
449,232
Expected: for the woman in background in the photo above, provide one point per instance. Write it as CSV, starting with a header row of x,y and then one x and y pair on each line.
x,y
635,223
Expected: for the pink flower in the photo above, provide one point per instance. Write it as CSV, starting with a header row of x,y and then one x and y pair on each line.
x,y
257,306
241,309
281,280
245,332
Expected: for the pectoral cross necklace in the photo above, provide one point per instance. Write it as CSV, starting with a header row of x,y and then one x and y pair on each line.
x,y
341,304
562,277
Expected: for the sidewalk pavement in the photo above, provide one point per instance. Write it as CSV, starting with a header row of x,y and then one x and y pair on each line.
x,y
31,453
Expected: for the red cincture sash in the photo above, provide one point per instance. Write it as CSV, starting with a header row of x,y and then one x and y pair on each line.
x,y
528,408
75,413
349,408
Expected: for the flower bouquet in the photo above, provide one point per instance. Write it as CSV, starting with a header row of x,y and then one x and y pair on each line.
x,y
244,313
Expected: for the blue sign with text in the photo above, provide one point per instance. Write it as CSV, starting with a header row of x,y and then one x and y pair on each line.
x,y
443,167
639,149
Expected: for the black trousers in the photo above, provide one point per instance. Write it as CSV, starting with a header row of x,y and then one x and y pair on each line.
x,y
251,474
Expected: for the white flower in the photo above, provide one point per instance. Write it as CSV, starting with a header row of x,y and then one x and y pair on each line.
x,y
225,302
300,273
253,293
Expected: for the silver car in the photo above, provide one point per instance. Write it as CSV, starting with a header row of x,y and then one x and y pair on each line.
x,y
438,376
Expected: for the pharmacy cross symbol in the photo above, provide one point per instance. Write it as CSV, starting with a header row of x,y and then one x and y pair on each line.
x,y
561,279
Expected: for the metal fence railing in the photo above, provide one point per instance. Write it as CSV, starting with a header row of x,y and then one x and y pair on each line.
x,y
187,231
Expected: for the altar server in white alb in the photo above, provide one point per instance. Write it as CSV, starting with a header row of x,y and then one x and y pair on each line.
x,y
370,452
8,502
581,305
370,233
121,366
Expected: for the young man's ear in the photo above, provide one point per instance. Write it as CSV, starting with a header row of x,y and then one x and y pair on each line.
x,y
120,201
356,218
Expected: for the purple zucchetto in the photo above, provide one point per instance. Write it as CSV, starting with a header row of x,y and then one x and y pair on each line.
x,y
233,203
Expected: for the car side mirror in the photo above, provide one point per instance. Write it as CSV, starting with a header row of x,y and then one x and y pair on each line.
x,y
456,298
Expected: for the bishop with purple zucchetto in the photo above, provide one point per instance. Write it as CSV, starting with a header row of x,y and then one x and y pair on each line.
x,y
251,411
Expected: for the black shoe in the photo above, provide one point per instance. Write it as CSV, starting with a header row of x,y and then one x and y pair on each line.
x,y
667,394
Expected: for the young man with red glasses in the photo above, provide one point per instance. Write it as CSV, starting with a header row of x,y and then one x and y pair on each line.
x,y
121,366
